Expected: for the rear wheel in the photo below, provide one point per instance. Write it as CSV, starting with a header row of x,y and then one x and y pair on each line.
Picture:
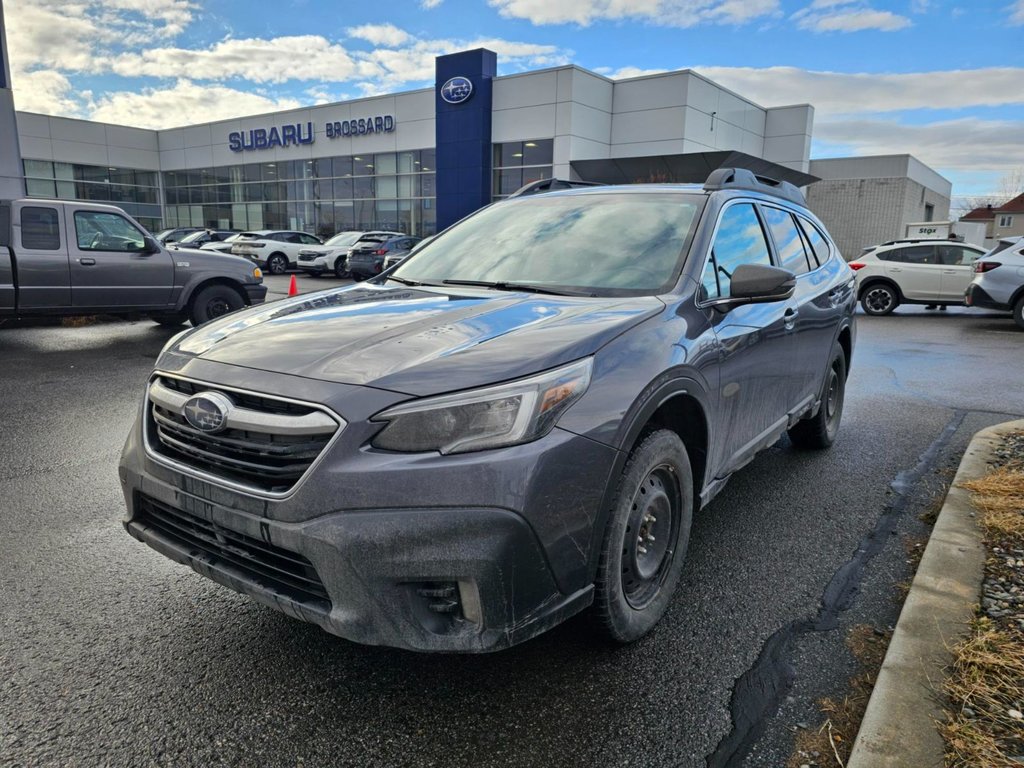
x,y
1018,313
646,538
340,271
358,277
277,263
820,430
879,299
212,302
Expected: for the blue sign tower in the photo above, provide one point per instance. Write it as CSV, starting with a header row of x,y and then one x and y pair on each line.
x,y
462,97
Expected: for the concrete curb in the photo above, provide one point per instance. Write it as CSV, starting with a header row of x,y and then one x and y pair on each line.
x,y
899,726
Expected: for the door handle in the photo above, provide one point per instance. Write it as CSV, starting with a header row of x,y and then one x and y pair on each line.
x,y
949,271
86,261
895,269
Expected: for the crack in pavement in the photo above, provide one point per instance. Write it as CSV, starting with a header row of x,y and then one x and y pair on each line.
x,y
757,692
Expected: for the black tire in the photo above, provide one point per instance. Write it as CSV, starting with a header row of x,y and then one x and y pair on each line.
x,y
638,571
358,277
879,299
819,431
212,302
1018,313
170,321
277,264
339,269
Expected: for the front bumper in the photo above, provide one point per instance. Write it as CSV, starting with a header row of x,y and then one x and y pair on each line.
x,y
509,533
255,293
976,296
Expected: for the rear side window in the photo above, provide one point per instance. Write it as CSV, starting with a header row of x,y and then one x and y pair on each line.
x,y
739,240
788,243
956,255
817,242
913,254
39,229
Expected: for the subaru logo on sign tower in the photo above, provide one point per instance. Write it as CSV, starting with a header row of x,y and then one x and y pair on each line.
x,y
457,90
207,412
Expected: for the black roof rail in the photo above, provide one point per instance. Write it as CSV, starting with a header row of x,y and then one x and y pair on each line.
x,y
741,178
551,185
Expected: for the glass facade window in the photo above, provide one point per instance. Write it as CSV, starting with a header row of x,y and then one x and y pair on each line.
x,y
389,190
134,190
516,163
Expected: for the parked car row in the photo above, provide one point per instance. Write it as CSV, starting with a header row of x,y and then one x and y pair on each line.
x,y
937,273
356,254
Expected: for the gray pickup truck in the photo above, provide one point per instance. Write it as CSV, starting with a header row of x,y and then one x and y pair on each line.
x,y
72,258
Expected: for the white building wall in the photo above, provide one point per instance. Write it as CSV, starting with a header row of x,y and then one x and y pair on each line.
x,y
80,141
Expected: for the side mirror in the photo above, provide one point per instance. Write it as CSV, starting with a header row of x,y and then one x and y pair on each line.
x,y
150,245
757,284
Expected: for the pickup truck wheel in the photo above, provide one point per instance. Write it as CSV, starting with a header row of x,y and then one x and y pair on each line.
x,y
172,320
1018,313
646,538
212,302
879,299
339,269
277,264
820,430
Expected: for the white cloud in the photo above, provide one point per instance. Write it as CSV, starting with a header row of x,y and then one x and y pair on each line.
x,y
847,16
387,35
845,93
1017,12
45,91
428,4
627,72
968,144
673,13
275,60
184,103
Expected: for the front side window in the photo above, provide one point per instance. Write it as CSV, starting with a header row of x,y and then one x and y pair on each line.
x,y
788,243
604,243
40,230
101,231
739,240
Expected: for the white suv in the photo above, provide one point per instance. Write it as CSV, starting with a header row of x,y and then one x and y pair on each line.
x,y
274,250
931,272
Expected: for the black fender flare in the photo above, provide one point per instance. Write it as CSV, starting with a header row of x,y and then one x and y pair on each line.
x,y
190,288
662,389
875,281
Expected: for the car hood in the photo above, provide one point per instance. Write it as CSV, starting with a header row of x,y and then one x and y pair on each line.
x,y
417,341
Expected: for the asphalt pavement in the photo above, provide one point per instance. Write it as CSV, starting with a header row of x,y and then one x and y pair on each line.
x,y
111,654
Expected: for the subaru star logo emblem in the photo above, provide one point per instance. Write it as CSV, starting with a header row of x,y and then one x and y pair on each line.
x,y
207,411
457,90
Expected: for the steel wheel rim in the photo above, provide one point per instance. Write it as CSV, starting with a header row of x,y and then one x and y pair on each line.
x,y
217,307
651,533
833,402
879,299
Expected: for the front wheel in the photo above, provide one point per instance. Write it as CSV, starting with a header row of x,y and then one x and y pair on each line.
x,y
646,538
1018,313
879,299
277,264
212,302
820,430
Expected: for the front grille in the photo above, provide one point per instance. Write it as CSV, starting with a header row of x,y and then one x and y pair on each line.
x,y
267,444
259,562
307,257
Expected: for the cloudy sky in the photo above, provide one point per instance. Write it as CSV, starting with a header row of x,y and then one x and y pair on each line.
x,y
942,79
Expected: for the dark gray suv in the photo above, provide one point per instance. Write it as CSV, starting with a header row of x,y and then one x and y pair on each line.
x,y
513,425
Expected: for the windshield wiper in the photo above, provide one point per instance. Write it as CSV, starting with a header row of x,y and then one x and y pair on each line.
x,y
403,280
502,285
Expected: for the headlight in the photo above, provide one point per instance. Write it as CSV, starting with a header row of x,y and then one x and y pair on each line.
x,y
494,417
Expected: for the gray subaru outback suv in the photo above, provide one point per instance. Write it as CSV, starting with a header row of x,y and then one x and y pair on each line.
x,y
515,424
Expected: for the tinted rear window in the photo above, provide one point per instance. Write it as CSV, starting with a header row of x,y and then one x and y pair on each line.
x,y
39,229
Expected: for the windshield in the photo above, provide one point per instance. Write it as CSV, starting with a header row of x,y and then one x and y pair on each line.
x,y
193,237
344,238
611,244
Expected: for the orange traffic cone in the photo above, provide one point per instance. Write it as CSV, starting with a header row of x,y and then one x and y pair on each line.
x,y
293,287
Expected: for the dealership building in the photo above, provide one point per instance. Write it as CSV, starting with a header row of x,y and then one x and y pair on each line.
x,y
414,161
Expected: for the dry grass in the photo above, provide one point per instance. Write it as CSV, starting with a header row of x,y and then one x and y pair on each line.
x,y
831,743
79,321
986,682
1000,498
